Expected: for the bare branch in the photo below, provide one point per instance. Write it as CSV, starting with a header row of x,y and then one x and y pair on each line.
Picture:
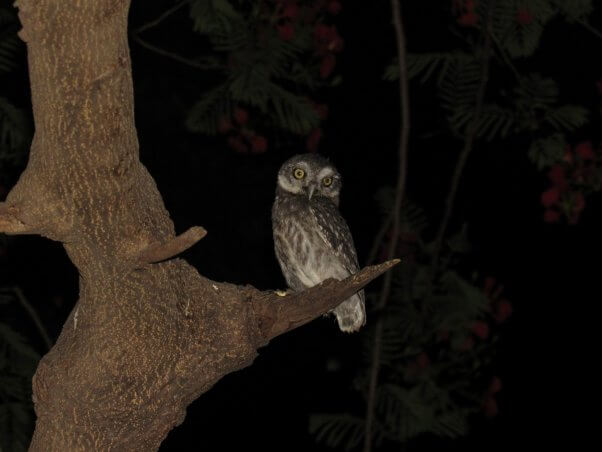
x,y
404,134
162,251
162,17
469,139
9,223
172,55
278,314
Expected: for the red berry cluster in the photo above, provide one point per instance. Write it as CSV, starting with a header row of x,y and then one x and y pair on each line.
x,y
242,138
292,13
569,180
465,12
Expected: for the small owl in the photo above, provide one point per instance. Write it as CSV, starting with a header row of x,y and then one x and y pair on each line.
x,y
311,238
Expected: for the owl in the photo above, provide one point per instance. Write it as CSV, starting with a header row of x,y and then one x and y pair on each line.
x,y
311,238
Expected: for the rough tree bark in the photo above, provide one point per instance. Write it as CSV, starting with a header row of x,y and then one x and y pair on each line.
x,y
148,334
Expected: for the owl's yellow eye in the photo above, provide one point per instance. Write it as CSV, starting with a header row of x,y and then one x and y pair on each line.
x,y
327,181
299,173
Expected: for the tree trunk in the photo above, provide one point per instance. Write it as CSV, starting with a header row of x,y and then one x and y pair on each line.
x,y
148,334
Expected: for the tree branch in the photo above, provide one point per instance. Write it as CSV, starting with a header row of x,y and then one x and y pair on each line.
x,y
278,314
161,18
9,223
469,140
162,251
404,102
173,56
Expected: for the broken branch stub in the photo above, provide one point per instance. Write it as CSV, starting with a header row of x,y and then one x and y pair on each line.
x,y
277,314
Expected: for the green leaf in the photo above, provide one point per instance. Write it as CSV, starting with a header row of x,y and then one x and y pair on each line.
x,y
545,152
205,114
574,9
338,430
567,117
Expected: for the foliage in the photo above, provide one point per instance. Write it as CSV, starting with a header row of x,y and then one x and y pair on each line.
x,y
18,361
437,347
273,55
440,331
15,129
526,105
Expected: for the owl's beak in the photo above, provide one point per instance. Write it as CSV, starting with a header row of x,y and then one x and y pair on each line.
x,y
310,191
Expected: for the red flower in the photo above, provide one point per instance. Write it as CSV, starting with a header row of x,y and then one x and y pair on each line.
x,y
558,176
524,16
551,216
327,39
327,66
334,7
480,329
224,125
313,140
495,386
259,144
503,311
467,19
323,32
585,151
238,145
286,31
241,116
290,11
550,197
490,407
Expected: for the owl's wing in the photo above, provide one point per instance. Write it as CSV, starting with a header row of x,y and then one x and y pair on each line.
x,y
333,229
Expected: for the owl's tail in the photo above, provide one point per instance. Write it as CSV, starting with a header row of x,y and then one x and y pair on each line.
x,y
351,313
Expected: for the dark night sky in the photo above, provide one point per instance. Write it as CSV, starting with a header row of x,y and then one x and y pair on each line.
x,y
548,270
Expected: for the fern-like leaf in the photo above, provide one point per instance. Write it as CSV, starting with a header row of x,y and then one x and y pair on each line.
x,y
10,44
204,115
545,152
567,117
573,10
338,430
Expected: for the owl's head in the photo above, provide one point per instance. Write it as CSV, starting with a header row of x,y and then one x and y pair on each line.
x,y
310,175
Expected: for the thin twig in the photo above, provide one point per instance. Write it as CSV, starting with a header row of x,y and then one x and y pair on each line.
x,y
589,28
33,314
378,239
469,140
161,18
173,56
399,193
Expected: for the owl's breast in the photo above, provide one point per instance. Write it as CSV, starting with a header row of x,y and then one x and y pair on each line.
x,y
305,258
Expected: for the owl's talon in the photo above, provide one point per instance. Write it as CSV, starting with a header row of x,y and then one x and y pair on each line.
x,y
281,293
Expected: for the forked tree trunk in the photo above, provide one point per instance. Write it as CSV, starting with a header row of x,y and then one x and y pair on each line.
x,y
148,334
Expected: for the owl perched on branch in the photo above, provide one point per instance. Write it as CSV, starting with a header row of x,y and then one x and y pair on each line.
x,y
311,238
